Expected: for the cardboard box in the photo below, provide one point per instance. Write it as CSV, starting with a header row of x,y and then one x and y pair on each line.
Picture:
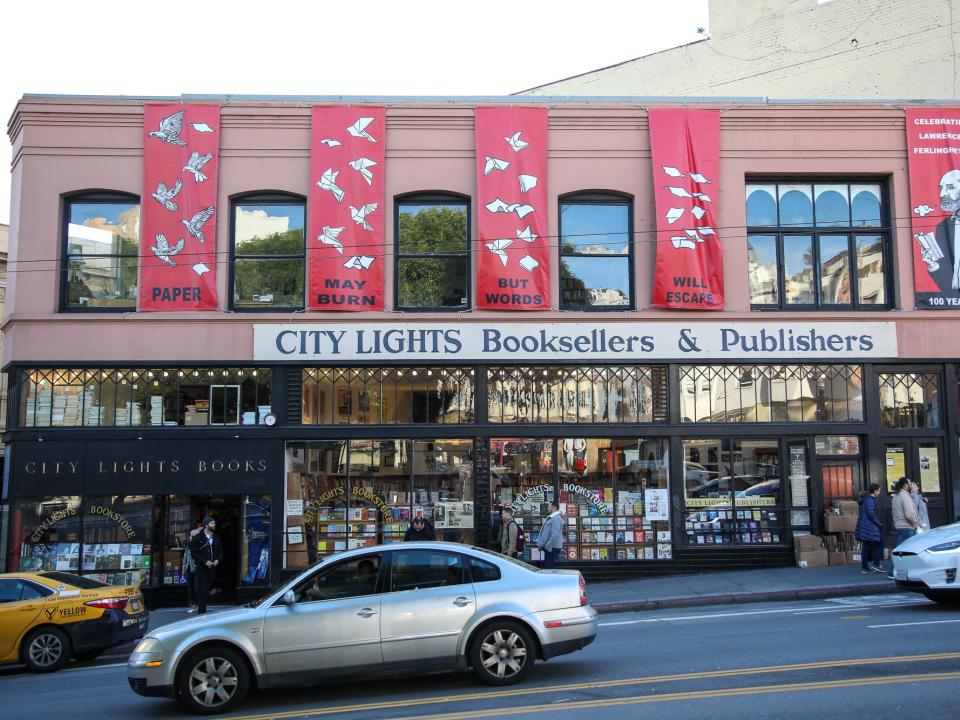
x,y
833,523
853,557
837,558
805,543
813,559
847,507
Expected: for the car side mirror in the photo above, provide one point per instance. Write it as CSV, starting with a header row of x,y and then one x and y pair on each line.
x,y
289,598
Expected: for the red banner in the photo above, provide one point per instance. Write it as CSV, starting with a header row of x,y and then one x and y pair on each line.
x,y
685,145
513,255
178,226
345,255
933,141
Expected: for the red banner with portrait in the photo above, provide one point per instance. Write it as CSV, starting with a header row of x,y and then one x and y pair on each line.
x,y
513,254
178,225
685,146
933,144
345,251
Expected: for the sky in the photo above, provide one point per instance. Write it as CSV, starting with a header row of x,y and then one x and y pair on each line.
x,y
298,47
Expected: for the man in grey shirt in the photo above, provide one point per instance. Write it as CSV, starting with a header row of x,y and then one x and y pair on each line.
x,y
550,539
904,512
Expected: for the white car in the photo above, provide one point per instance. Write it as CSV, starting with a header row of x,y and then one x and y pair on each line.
x,y
928,563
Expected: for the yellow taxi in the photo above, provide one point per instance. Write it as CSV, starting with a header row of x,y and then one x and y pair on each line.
x,y
47,618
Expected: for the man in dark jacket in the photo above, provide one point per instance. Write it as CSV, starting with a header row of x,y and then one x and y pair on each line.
x,y
206,551
419,529
869,531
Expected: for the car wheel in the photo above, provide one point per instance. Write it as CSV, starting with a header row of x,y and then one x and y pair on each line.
x,y
503,653
88,654
213,680
45,649
945,598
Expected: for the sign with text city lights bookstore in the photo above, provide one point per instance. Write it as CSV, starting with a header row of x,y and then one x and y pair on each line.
x,y
544,342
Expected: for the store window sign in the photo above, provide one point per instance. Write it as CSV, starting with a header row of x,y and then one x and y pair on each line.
x,y
590,495
50,521
562,341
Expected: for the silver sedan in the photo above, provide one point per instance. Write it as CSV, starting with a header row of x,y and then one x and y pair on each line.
x,y
401,608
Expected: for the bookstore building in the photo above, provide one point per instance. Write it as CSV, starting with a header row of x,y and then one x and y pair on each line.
x,y
283,317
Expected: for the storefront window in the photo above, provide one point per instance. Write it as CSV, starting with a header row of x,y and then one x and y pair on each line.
x,y
521,477
255,561
46,534
909,400
771,393
732,491
117,538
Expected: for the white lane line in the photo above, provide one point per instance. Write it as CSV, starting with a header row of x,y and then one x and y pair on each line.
x,y
715,615
926,622
95,667
861,607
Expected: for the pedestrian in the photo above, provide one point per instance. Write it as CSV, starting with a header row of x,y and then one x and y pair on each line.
x,y
206,552
509,532
904,511
495,525
190,571
923,515
419,529
550,539
869,531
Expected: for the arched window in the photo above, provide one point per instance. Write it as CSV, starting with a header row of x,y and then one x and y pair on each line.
x,y
101,240
433,252
268,252
596,252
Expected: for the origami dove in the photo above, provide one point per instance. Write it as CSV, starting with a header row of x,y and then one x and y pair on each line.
x,y
923,210
494,164
195,165
702,196
527,182
329,237
359,262
515,142
497,206
674,214
330,143
359,215
698,178
195,224
706,230
201,127
693,235
698,212
497,247
672,171
678,191
361,165
683,242
200,268
526,235
165,195
162,249
328,181
528,263
521,210
170,129
359,129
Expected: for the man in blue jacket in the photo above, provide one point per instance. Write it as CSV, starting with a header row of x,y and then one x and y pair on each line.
x,y
869,531
550,539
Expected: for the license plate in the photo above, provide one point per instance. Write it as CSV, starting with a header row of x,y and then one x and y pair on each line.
x,y
130,621
900,574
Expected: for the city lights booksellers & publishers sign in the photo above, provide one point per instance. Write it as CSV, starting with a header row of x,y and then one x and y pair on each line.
x,y
544,342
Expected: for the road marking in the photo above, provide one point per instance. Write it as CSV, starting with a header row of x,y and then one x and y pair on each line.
x,y
855,617
94,667
848,608
693,695
926,622
717,615
595,685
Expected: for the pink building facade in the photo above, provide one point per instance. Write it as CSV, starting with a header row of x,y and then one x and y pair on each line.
x,y
707,442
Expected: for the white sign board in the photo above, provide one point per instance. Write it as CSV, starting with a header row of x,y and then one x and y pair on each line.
x,y
420,343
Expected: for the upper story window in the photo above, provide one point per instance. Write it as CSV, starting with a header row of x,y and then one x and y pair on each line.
x,y
101,239
433,252
818,245
596,255
269,257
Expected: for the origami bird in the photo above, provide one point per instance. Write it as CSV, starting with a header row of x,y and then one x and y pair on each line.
x,y
494,164
359,215
201,127
195,226
196,163
170,129
359,262
330,143
329,237
165,195
672,171
515,142
200,268
527,182
526,235
328,181
163,250
359,129
361,165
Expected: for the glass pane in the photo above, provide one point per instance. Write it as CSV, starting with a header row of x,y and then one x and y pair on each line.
x,y
103,229
101,282
317,495
269,229
909,400
433,228
837,444
268,283
45,533
762,270
704,484
871,281
432,282
601,229
798,270
755,469
521,477
796,206
834,270
761,205
832,205
865,205
594,282
586,497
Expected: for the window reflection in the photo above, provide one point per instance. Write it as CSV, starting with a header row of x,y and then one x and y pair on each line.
x,y
590,233
832,205
796,206
762,270
798,270
761,205
871,276
102,245
270,265
909,400
432,253
834,270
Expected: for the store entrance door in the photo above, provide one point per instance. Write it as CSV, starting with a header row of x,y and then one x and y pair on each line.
x,y
225,509
922,461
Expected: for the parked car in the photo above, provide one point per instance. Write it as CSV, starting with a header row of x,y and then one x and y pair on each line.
x,y
928,563
47,618
401,608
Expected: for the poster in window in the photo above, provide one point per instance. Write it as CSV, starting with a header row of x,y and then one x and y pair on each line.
x,y
656,502
178,234
513,251
685,147
345,248
933,145
343,402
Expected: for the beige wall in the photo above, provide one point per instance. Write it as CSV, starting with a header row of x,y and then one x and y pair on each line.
x,y
64,145
797,49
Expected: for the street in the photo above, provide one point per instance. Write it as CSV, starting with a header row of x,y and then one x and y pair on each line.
x,y
862,657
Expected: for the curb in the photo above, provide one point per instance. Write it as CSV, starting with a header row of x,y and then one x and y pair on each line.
x,y
747,597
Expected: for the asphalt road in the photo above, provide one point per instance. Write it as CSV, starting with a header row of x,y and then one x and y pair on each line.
x,y
887,656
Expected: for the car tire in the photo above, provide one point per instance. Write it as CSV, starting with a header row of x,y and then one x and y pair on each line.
x,y
213,679
88,654
45,649
945,598
503,653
